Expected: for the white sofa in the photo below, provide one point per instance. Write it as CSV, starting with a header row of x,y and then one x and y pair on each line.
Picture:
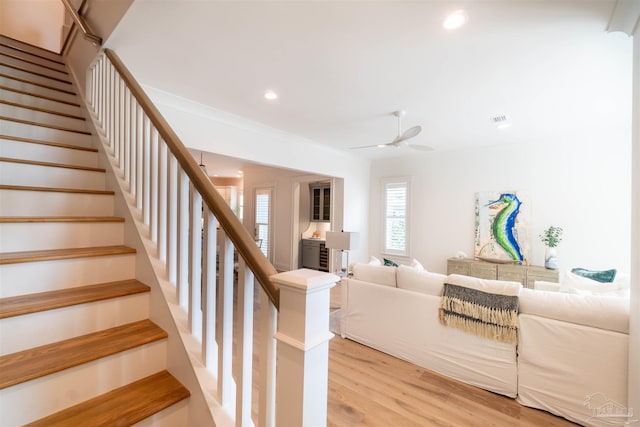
x,y
570,346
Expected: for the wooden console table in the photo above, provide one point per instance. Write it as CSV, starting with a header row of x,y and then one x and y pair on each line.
x,y
525,274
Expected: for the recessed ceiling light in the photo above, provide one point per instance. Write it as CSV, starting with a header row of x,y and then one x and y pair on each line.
x,y
270,95
455,20
381,145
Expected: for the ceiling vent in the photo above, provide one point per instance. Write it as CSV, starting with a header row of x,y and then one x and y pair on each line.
x,y
500,118
501,121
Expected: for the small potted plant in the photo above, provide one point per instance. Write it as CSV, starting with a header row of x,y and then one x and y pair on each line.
x,y
551,237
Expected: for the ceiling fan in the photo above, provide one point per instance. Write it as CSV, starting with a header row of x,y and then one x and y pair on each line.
x,y
401,139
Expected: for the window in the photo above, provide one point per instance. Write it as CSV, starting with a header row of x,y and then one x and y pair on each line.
x,y
263,211
396,216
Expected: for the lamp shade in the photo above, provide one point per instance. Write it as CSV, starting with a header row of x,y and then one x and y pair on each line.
x,y
343,240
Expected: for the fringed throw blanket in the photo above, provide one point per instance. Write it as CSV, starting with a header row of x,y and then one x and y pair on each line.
x,y
482,307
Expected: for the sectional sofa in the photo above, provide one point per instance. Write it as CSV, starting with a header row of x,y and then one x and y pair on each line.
x,y
571,358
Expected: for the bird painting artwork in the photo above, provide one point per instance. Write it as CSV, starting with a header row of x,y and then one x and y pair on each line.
x,y
500,229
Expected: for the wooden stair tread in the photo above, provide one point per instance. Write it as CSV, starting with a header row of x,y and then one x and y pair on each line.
x,y
56,190
35,73
28,61
41,110
44,125
21,219
49,98
50,300
20,49
57,254
52,144
123,406
18,79
37,362
49,164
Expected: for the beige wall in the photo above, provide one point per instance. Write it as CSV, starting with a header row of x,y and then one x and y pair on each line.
x,y
101,16
38,22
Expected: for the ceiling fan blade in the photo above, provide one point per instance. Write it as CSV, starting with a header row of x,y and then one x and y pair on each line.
x,y
421,147
368,146
410,133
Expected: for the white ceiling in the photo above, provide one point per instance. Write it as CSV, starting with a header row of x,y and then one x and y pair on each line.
x,y
341,67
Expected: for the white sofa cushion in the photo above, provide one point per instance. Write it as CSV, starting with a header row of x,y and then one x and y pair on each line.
x,y
421,281
378,274
603,312
572,283
541,285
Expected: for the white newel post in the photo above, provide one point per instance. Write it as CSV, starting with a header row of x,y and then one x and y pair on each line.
x,y
303,347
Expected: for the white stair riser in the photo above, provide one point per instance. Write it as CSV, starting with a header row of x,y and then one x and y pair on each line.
x,y
45,203
44,133
41,117
46,327
35,236
36,79
33,67
47,176
34,89
32,58
47,153
42,276
34,101
175,415
60,390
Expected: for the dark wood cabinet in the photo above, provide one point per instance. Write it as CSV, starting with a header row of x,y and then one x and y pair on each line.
x,y
320,202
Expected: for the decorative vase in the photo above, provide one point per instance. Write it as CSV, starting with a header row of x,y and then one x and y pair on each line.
x,y
551,258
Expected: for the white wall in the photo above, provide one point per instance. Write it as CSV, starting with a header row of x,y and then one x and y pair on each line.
x,y
38,22
634,327
582,185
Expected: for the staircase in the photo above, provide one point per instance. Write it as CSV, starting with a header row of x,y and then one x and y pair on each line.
x,y
77,347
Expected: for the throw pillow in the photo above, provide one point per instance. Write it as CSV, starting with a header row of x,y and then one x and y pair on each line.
x,y
374,261
602,276
389,262
571,282
416,264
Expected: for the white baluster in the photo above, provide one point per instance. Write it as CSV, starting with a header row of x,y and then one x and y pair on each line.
x,y
267,390
244,353
153,189
183,239
209,346
224,322
146,170
172,220
195,272
162,201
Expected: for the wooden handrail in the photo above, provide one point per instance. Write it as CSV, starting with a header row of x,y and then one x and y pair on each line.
x,y
88,34
242,240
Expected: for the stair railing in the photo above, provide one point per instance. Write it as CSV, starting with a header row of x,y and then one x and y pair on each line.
x,y
82,25
180,207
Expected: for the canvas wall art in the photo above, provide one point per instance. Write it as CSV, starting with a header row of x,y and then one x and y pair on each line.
x,y
502,226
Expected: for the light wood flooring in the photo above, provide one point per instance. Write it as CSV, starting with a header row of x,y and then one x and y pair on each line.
x,y
370,388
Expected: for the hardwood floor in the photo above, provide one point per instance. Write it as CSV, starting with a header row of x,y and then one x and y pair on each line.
x,y
370,388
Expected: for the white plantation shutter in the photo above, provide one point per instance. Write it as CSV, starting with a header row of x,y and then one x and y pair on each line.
x,y
262,220
396,224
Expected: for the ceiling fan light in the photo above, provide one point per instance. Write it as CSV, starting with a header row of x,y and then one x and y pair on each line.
x,y
455,20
